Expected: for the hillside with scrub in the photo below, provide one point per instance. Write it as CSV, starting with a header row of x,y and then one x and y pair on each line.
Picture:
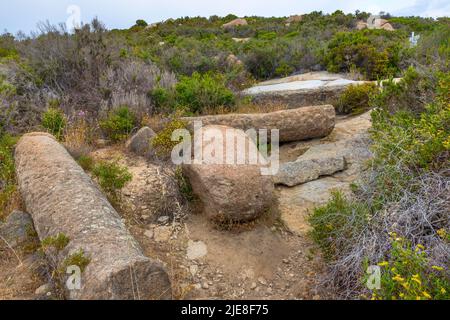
x,y
364,181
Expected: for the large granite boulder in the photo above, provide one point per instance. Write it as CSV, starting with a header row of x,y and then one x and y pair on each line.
x,y
235,23
140,143
230,192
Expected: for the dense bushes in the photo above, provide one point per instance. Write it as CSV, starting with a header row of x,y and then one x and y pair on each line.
x,y
195,94
406,190
119,123
111,176
202,91
95,70
409,275
373,53
54,121
163,142
355,98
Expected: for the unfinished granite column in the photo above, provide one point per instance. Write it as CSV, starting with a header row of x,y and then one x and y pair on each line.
x,y
62,198
294,124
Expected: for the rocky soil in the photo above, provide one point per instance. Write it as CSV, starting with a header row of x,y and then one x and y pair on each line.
x,y
270,258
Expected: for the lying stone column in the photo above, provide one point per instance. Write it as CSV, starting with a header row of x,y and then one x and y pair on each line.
x,y
294,124
62,198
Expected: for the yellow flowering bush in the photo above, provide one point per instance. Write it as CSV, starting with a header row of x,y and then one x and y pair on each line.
x,y
408,275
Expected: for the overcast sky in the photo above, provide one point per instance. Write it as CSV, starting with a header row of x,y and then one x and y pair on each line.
x,y
23,15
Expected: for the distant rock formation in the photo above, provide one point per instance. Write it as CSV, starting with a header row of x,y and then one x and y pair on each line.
x,y
376,24
235,23
294,19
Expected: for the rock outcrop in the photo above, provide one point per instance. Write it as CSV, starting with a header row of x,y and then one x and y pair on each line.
x,y
235,23
313,88
350,141
375,24
230,192
62,199
294,124
294,19
17,229
140,142
316,162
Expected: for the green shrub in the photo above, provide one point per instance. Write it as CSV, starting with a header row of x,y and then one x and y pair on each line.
x,y
59,242
75,259
415,141
355,98
141,23
203,91
339,219
86,162
162,142
111,176
119,123
54,121
411,155
161,98
361,50
408,275
8,186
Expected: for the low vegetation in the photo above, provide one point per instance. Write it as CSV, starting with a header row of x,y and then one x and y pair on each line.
x,y
119,123
8,185
163,142
111,176
404,193
355,98
54,121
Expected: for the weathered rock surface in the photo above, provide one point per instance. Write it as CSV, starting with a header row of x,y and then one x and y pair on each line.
x,y
153,192
294,124
294,18
140,142
316,162
18,229
375,24
296,91
349,141
235,23
62,198
236,192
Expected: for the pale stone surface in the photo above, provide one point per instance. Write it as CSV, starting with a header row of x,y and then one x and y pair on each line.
x,y
17,229
237,192
316,162
162,234
196,250
349,140
140,142
294,124
294,18
235,23
62,198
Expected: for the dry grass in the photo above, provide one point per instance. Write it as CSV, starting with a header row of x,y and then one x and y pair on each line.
x,y
78,137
